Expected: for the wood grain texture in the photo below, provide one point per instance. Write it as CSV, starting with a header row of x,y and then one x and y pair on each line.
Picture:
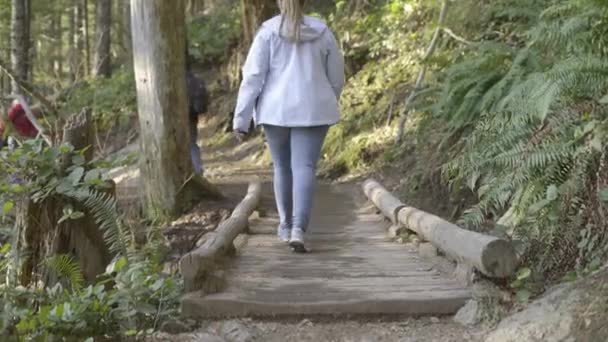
x,y
490,255
352,269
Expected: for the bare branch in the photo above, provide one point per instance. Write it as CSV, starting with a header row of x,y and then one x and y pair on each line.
x,y
28,88
418,85
457,37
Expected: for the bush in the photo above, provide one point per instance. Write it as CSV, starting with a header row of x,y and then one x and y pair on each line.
x,y
211,37
111,99
536,118
132,297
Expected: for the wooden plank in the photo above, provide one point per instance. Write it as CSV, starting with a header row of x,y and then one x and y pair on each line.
x,y
329,285
352,270
419,303
333,273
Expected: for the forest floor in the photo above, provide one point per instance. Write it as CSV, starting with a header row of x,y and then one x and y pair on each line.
x,y
230,165
320,329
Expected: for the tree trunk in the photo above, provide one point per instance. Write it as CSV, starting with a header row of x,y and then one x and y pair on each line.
x,y
126,32
58,34
78,41
52,45
19,41
40,234
122,15
254,13
86,37
4,89
194,7
30,48
5,54
103,25
72,63
158,28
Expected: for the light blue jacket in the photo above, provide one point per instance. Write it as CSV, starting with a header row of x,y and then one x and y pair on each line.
x,y
291,84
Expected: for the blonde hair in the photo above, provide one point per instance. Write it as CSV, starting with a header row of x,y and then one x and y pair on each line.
x,y
292,15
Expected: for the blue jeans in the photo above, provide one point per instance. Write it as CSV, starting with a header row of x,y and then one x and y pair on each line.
x,y
295,152
195,151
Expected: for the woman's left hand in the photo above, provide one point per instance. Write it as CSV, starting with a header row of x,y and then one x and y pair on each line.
x,y
240,136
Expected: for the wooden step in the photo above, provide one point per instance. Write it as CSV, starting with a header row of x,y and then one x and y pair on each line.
x,y
352,269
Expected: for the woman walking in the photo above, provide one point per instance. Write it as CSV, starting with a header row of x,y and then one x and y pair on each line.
x,y
292,80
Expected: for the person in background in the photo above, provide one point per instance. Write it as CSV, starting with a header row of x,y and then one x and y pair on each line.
x,y
292,79
197,105
23,126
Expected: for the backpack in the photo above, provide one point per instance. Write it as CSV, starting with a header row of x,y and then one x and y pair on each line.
x,y
198,100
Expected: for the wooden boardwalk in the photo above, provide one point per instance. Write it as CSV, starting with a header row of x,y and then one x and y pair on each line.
x,y
352,269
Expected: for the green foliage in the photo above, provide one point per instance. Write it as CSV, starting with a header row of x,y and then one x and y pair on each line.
x,y
387,28
211,36
34,169
113,100
385,34
64,266
133,296
536,128
104,210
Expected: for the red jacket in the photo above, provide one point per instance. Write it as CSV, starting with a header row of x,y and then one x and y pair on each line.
x,y
22,124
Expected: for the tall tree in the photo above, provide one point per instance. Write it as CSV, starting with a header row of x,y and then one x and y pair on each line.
x,y
254,13
86,37
72,54
126,18
126,21
195,6
77,40
30,48
159,32
103,20
58,40
19,41
5,38
122,28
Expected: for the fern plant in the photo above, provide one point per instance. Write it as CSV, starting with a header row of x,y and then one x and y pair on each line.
x,y
65,267
535,116
103,208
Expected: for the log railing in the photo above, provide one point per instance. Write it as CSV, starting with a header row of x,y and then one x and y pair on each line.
x,y
492,256
200,267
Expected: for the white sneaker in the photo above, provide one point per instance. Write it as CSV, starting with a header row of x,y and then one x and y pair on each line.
x,y
297,240
283,233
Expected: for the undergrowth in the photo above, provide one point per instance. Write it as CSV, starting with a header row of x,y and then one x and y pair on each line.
x,y
131,298
537,121
378,43
211,36
113,100
515,109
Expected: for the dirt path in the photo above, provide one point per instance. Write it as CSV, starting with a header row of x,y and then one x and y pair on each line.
x,y
368,329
